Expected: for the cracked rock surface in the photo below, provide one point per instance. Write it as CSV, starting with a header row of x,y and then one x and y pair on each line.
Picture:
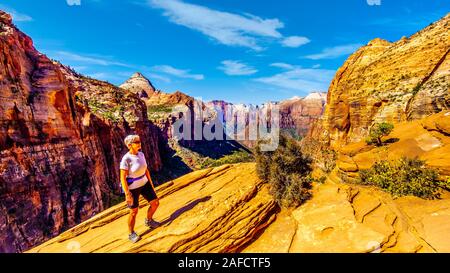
x,y
349,218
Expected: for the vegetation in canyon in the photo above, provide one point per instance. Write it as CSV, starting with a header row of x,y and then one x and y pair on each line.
x,y
287,171
405,176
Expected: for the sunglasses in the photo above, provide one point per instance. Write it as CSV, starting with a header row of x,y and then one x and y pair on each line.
x,y
136,142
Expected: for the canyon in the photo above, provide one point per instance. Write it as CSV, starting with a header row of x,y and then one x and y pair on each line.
x,y
61,139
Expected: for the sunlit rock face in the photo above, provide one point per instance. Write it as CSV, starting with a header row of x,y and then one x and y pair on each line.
x,y
383,81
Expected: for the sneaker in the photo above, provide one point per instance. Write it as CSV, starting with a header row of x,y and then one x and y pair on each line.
x,y
151,223
133,237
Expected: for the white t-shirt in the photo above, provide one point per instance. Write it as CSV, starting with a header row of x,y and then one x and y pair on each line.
x,y
136,165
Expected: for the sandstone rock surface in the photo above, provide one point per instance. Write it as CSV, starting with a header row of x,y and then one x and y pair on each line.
x,y
228,209
354,219
212,210
426,139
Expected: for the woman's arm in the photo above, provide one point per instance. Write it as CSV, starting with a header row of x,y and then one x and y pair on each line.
x,y
123,181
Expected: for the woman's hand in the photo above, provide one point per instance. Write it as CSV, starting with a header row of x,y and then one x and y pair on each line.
x,y
123,181
129,198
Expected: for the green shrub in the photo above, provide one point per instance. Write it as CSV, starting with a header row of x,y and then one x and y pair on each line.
x,y
321,179
445,184
287,170
236,157
378,131
404,176
159,108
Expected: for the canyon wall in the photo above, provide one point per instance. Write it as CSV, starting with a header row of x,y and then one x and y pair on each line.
x,y
61,139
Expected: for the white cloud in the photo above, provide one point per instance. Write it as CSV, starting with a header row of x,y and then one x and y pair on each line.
x,y
227,28
79,68
16,16
106,76
154,76
295,41
181,73
69,57
283,65
299,79
316,66
73,2
374,2
334,52
236,68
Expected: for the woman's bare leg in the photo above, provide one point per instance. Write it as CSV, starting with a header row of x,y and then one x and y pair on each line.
x,y
152,208
132,219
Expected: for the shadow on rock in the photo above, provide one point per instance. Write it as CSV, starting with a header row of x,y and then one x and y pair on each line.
x,y
179,212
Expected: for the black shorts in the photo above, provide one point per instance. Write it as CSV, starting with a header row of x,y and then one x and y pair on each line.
x,y
146,191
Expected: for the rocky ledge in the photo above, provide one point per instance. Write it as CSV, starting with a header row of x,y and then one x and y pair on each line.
x,y
228,209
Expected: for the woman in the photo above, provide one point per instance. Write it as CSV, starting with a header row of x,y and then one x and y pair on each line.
x,y
135,179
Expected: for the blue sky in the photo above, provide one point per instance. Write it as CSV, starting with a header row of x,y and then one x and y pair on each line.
x,y
235,50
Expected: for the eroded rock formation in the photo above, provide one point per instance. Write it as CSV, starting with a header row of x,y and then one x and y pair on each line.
x,y
385,81
295,115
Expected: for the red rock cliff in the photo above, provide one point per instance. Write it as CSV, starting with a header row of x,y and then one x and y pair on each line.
x,y
299,113
61,139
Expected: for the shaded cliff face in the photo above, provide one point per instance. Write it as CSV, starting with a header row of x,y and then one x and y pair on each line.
x,y
393,82
228,209
61,140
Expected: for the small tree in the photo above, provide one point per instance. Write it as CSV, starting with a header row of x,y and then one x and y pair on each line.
x,y
378,131
287,170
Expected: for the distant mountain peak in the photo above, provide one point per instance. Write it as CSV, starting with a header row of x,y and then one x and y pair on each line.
x,y
5,18
295,98
316,96
139,84
379,42
138,75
